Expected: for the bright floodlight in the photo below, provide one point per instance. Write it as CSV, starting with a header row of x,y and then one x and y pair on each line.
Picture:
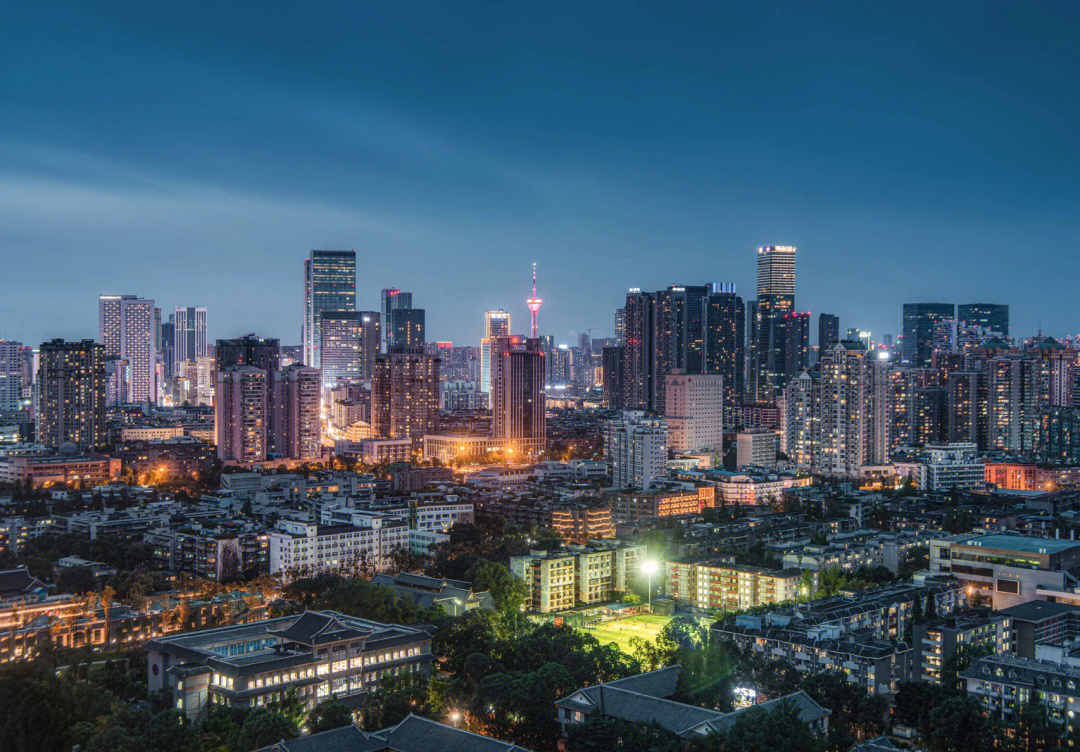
x,y
648,567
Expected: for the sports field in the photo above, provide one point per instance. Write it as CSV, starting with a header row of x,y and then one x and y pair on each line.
x,y
645,626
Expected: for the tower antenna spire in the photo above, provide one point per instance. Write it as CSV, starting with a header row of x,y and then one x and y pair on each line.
x,y
533,303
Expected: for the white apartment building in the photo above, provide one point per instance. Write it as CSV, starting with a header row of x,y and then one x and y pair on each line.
x,y
636,449
945,467
756,448
694,410
310,548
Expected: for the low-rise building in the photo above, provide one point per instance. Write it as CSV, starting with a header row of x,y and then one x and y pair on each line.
x,y
878,666
317,654
645,698
306,548
935,640
756,448
722,585
590,573
456,596
1007,570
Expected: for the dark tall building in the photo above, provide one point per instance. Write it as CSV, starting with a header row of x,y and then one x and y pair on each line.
x,y
370,342
725,343
612,369
794,330
71,378
405,394
992,316
828,331
405,328
639,357
919,321
518,413
392,299
249,350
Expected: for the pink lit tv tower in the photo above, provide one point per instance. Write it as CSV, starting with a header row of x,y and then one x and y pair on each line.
x,y
534,304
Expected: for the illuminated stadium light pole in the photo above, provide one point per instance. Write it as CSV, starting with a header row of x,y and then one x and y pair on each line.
x,y
649,568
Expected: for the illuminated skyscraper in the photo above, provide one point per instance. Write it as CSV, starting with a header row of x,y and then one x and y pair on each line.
x,y
776,298
189,334
329,285
340,347
496,324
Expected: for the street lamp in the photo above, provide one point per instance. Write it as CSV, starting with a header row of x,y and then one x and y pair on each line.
x,y
649,568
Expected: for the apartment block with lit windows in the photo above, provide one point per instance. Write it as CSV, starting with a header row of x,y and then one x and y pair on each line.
x,y
728,586
589,573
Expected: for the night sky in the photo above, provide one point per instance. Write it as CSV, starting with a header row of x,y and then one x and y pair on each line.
x,y
194,152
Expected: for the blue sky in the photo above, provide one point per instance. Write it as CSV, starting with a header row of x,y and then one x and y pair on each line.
x,y
193,153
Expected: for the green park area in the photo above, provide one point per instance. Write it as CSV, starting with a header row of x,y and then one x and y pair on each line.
x,y
645,626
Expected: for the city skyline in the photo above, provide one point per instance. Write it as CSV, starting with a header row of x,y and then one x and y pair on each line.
x,y
466,135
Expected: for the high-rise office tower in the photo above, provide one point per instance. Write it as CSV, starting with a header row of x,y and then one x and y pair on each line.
x,y
518,412
405,394
392,299
533,303
295,427
636,450
329,285
406,328
992,316
370,342
620,327
496,324
828,331
10,375
189,334
920,320
725,343
109,317
612,368
339,351
71,398
775,299
240,414
694,410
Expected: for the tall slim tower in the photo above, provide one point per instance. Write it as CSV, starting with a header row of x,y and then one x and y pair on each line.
x,y
329,285
534,305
